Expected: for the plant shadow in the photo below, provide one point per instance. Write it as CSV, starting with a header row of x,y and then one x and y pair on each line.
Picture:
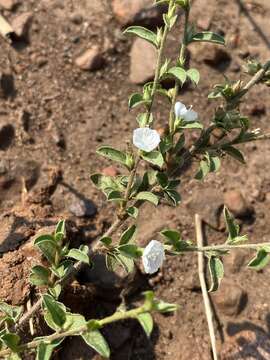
x,y
253,341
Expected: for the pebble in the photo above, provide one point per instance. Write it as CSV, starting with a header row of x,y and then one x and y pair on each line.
x,y
83,208
211,54
237,204
8,4
230,299
141,12
110,171
91,59
143,58
21,24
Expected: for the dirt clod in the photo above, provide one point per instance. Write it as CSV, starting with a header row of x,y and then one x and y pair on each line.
x,y
237,204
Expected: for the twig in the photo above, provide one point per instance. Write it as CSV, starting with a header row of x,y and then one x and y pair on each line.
x,y
207,304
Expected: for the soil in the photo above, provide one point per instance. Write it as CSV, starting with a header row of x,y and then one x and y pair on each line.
x,y
58,114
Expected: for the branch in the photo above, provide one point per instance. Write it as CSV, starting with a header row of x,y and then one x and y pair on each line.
x,y
207,304
119,315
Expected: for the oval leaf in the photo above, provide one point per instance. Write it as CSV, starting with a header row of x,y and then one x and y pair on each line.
x,y
97,342
179,73
112,154
148,196
143,33
208,36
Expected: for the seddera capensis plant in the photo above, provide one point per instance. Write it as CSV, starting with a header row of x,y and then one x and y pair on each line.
x,y
164,156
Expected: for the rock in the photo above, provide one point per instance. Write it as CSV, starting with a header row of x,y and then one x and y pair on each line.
x,y
83,208
77,19
21,24
7,132
236,260
210,54
210,209
230,299
141,12
91,59
237,204
143,58
110,171
8,4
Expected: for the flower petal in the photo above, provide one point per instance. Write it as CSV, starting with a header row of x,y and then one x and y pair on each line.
x,y
190,115
153,256
146,139
179,109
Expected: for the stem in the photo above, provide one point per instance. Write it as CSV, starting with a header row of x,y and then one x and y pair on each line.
x,y
182,60
119,315
257,77
226,247
158,64
206,300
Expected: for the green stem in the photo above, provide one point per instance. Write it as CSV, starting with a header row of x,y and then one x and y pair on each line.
x,y
159,63
119,315
182,60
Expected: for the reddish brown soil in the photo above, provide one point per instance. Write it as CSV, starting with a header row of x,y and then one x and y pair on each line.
x,y
59,101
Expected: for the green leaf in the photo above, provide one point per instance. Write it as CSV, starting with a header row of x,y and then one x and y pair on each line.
x,y
261,259
114,196
111,262
39,275
146,322
133,212
62,268
14,356
45,350
154,157
180,143
47,246
80,255
55,310
162,179
130,250
143,33
97,342
126,262
60,230
235,153
208,36
13,312
172,196
55,291
191,125
194,76
11,341
179,73
203,171
148,196
216,272
106,240
112,154
128,235
172,236
232,226
164,307
136,99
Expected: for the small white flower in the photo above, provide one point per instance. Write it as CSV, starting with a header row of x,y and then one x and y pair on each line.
x,y
182,112
153,257
146,139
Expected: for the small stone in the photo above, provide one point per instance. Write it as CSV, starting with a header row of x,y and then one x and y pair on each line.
x,y
83,208
110,171
230,299
236,260
210,54
143,58
77,19
91,59
237,204
141,12
21,24
8,4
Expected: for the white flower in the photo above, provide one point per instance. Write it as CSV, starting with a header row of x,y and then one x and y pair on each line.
x,y
182,112
146,139
153,257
